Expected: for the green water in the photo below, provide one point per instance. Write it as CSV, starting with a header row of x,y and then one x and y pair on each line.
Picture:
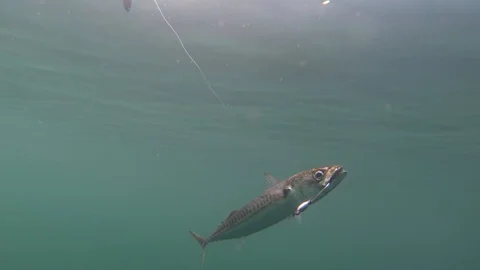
x,y
112,147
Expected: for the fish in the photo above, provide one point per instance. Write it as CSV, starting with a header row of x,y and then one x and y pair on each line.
x,y
279,201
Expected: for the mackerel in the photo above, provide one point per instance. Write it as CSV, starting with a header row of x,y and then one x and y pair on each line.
x,y
278,202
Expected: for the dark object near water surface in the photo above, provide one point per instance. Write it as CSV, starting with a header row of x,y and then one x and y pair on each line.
x,y
127,4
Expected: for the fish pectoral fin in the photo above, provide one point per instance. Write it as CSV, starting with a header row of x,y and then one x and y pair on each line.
x,y
270,180
286,191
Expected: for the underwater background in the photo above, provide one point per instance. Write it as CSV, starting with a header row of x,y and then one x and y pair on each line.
x,y
112,147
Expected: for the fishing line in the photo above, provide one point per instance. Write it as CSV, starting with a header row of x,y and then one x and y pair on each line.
x,y
188,54
303,206
319,193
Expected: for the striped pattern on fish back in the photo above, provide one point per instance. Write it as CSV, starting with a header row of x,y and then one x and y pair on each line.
x,y
253,207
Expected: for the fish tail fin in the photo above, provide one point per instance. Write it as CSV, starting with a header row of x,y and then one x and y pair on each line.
x,y
203,243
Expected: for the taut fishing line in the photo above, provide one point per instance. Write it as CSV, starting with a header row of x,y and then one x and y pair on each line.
x,y
188,54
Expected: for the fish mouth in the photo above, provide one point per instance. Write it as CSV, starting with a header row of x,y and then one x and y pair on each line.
x,y
335,176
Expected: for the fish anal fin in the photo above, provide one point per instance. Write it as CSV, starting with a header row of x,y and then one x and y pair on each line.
x,y
298,218
270,180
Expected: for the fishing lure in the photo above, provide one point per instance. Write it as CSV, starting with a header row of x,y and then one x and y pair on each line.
x,y
304,205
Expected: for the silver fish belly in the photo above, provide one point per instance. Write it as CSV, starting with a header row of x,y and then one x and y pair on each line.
x,y
260,213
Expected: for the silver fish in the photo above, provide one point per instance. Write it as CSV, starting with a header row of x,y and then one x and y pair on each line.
x,y
278,202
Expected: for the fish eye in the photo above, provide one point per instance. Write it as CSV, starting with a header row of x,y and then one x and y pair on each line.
x,y
318,175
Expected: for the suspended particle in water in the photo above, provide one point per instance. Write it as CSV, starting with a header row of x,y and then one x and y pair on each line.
x,y
127,4
388,107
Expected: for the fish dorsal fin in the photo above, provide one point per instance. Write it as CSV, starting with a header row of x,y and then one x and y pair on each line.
x,y
270,180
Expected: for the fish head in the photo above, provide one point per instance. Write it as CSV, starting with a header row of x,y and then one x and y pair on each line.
x,y
324,179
